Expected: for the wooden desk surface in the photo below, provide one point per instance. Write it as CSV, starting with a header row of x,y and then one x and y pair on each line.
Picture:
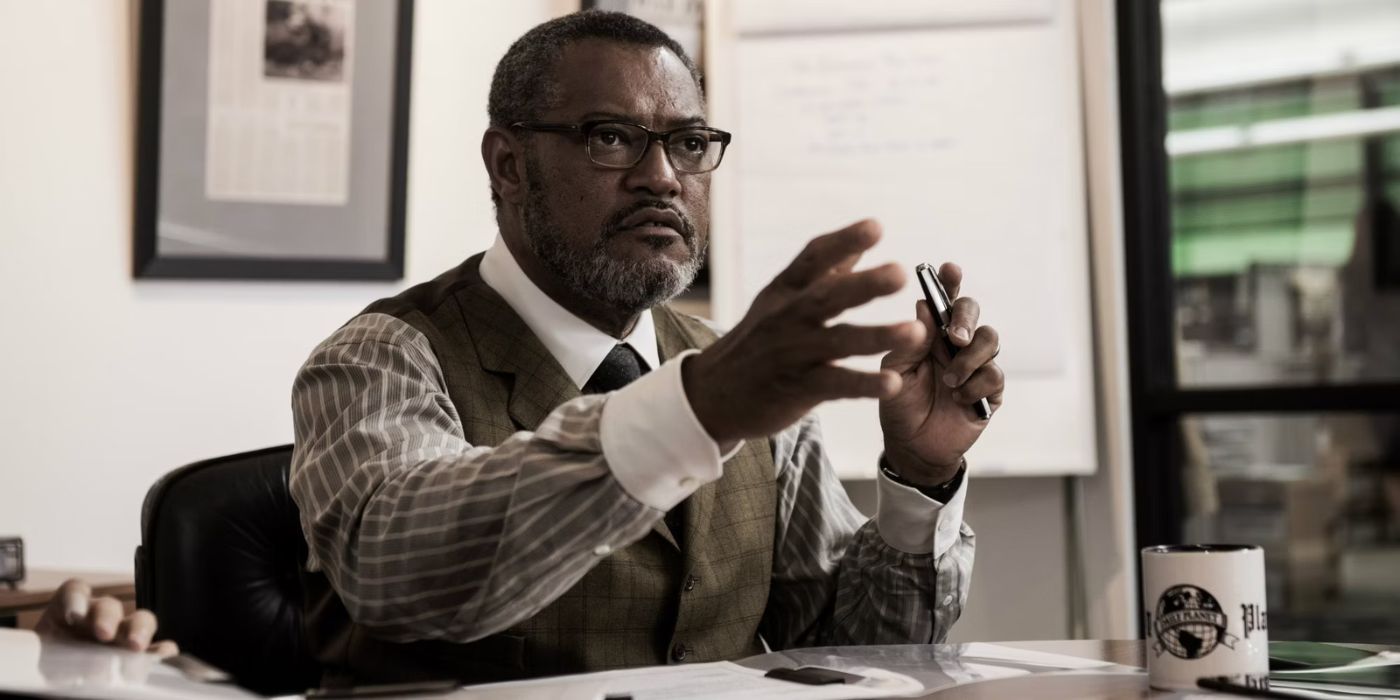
x,y
33,593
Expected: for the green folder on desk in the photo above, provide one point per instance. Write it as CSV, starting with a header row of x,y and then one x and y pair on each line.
x,y
1332,667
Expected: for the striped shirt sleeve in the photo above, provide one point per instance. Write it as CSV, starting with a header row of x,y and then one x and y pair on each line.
x,y
423,535
836,580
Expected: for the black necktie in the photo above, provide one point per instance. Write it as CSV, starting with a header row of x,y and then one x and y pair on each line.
x,y
621,367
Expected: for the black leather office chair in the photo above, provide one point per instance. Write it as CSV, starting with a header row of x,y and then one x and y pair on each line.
x,y
219,562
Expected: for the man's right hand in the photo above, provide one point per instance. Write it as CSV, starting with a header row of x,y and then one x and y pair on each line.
x,y
74,614
778,363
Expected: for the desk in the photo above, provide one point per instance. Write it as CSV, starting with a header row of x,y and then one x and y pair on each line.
x,y
46,666
23,606
1128,652
918,661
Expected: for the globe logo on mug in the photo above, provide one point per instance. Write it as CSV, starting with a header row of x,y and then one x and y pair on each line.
x,y
1204,614
1189,623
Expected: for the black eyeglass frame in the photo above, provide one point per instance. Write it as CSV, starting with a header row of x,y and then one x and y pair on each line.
x,y
663,137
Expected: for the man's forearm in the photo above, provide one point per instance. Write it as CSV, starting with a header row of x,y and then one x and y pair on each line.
x,y
875,595
435,542
426,536
885,596
839,579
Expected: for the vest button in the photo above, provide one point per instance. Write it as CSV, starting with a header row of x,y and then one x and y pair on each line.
x,y
690,583
679,652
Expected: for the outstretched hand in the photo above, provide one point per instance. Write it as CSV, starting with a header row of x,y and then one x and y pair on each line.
x,y
779,362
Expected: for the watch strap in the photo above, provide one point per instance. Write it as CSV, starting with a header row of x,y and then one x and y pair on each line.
x,y
939,492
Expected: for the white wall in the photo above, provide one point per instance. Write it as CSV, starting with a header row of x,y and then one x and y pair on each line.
x,y
1106,537
106,383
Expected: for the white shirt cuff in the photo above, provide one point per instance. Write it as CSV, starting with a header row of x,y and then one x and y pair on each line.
x,y
654,444
914,523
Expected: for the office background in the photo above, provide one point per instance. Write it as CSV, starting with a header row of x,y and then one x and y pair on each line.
x,y
110,382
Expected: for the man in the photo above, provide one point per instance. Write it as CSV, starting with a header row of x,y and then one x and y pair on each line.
x,y
533,465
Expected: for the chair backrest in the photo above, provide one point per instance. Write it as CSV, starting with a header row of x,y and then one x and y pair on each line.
x,y
219,564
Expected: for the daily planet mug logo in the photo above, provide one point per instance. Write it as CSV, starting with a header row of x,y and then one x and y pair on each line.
x,y
1190,623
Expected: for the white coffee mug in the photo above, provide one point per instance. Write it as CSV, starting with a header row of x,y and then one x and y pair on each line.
x,y
1205,613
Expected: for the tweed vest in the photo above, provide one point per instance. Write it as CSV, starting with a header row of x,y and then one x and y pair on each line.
x,y
653,602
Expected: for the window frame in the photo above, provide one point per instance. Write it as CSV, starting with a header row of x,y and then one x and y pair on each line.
x,y
1157,400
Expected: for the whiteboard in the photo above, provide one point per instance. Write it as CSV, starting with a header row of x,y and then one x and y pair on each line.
x,y
957,125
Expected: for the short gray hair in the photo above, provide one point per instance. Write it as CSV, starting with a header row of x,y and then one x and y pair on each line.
x,y
523,86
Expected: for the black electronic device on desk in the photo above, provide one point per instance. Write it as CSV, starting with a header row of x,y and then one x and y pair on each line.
x,y
11,561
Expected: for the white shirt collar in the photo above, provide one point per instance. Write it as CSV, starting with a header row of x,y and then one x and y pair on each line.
x,y
577,346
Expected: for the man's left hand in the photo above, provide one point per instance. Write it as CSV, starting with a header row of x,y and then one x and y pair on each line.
x,y
74,613
930,423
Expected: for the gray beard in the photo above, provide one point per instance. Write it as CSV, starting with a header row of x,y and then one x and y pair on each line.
x,y
627,286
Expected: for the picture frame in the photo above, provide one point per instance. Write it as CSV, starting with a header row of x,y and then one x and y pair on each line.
x,y
272,139
682,20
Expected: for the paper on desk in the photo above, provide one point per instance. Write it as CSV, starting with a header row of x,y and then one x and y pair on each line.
x,y
1038,659
49,667
720,680
980,655
983,662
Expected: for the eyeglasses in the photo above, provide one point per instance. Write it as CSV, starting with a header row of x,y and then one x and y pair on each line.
x,y
618,144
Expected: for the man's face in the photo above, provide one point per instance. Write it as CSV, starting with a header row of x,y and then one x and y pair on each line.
x,y
604,231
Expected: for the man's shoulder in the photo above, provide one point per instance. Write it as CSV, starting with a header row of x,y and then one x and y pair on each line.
x,y
376,334
401,320
426,298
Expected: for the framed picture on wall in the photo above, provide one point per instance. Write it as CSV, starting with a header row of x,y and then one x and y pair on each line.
x,y
682,20
272,139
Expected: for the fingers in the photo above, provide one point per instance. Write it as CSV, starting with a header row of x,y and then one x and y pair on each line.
x,y
840,249
829,297
984,346
950,274
136,630
67,608
103,618
845,340
917,348
73,611
164,648
833,382
964,319
988,382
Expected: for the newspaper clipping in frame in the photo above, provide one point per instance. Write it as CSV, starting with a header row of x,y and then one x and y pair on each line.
x,y
279,101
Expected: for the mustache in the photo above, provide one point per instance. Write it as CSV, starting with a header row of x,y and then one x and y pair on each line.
x,y
613,225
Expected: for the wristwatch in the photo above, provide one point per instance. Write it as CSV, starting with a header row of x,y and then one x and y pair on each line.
x,y
939,492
